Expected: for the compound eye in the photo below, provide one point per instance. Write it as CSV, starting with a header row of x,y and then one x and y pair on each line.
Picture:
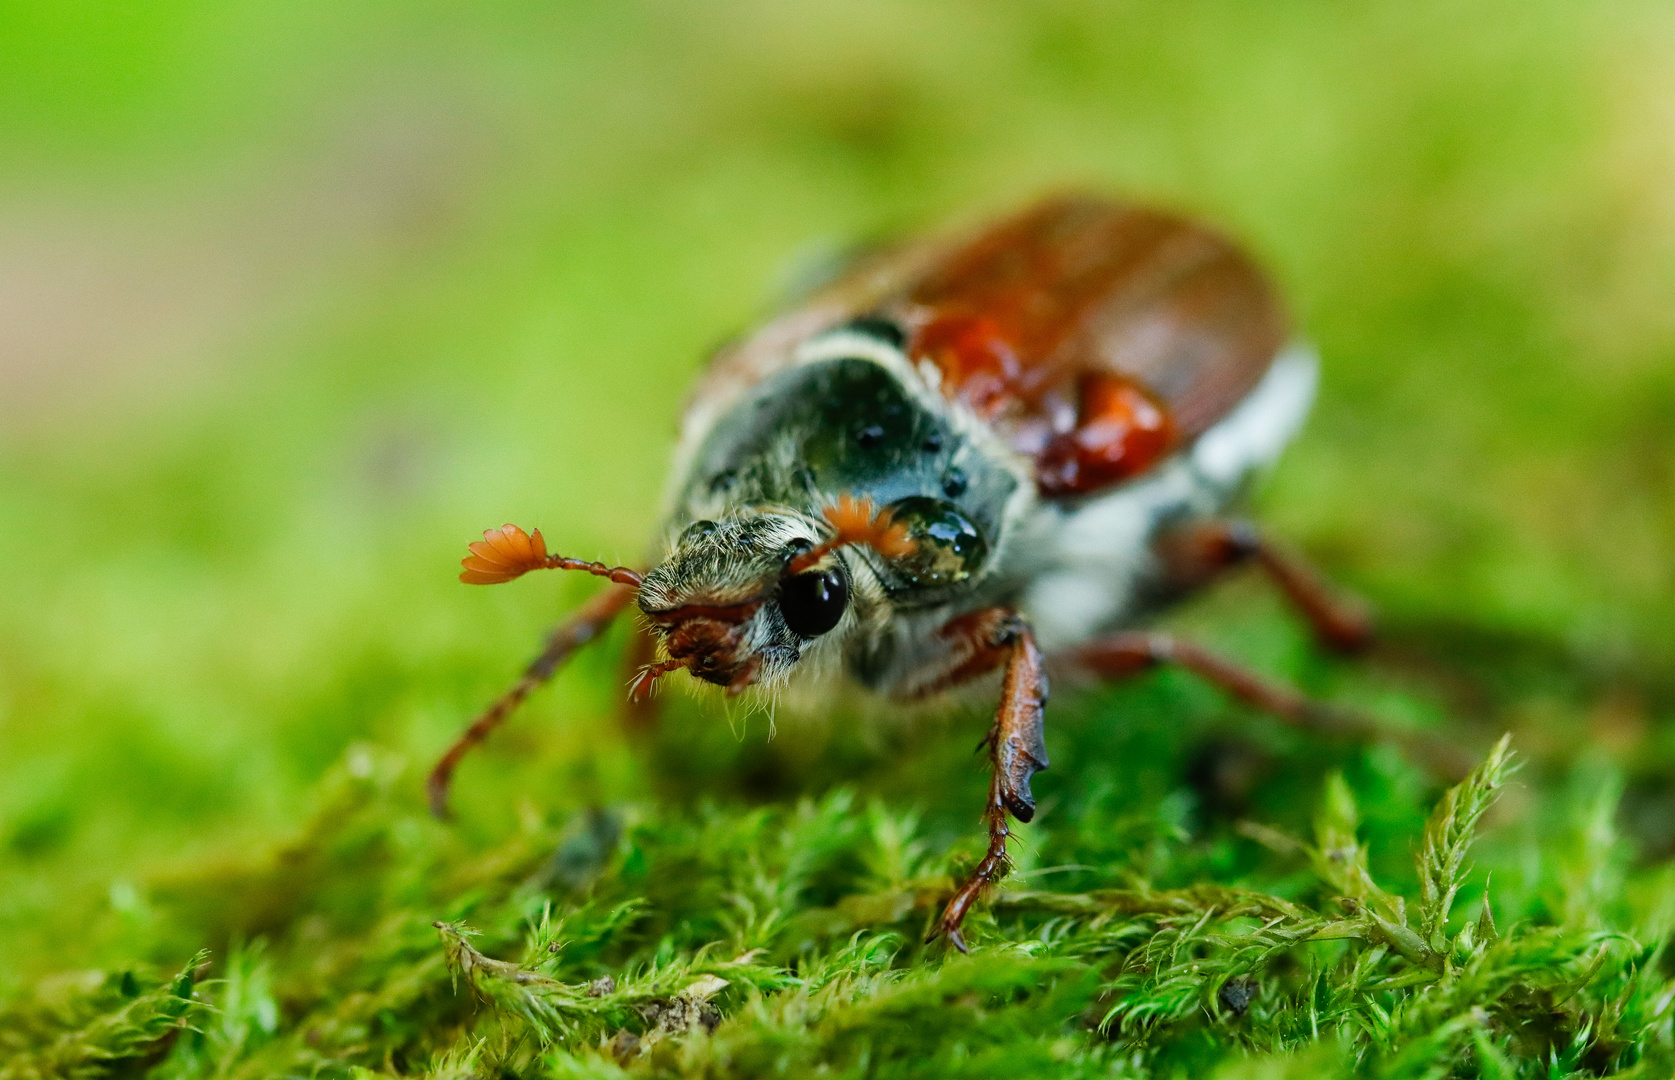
x,y
812,603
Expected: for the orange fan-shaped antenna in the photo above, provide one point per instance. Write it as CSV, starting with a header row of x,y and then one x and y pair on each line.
x,y
856,521
508,552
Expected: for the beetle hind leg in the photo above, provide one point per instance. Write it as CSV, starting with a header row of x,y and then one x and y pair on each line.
x,y
1196,553
1132,652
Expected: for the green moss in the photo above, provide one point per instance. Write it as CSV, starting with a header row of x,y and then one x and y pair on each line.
x,y
778,942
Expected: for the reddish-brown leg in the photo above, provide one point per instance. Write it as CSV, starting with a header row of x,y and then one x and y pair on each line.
x,y
1132,652
1016,748
1198,552
1129,653
586,625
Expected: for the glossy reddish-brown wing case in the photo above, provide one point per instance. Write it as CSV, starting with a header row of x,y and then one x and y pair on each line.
x,y
1096,337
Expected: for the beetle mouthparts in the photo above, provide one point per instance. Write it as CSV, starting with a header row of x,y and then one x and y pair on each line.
x,y
639,688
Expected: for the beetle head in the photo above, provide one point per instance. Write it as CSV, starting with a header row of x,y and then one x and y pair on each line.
x,y
739,601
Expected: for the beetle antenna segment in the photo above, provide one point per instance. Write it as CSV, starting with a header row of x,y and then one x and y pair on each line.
x,y
639,688
508,552
857,521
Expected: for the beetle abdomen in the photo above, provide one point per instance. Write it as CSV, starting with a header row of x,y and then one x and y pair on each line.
x,y
1094,568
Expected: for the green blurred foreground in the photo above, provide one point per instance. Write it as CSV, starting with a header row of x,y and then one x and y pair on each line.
x,y
295,303
781,942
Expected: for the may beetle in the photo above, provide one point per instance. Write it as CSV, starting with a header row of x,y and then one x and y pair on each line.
x,y
967,454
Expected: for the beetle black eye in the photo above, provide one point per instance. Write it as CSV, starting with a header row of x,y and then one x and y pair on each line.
x,y
812,603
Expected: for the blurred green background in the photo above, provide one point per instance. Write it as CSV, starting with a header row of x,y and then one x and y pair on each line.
x,y
297,299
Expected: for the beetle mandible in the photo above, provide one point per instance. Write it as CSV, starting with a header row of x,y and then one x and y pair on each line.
x,y
983,451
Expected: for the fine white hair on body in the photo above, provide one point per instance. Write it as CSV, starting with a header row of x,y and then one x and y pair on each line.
x,y
1095,560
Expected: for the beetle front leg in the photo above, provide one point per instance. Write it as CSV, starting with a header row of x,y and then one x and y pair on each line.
x,y
1016,747
584,626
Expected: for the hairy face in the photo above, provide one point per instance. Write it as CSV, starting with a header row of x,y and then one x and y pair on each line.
x,y
732,604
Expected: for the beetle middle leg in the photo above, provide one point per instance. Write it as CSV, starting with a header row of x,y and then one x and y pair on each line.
x,y
981,642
